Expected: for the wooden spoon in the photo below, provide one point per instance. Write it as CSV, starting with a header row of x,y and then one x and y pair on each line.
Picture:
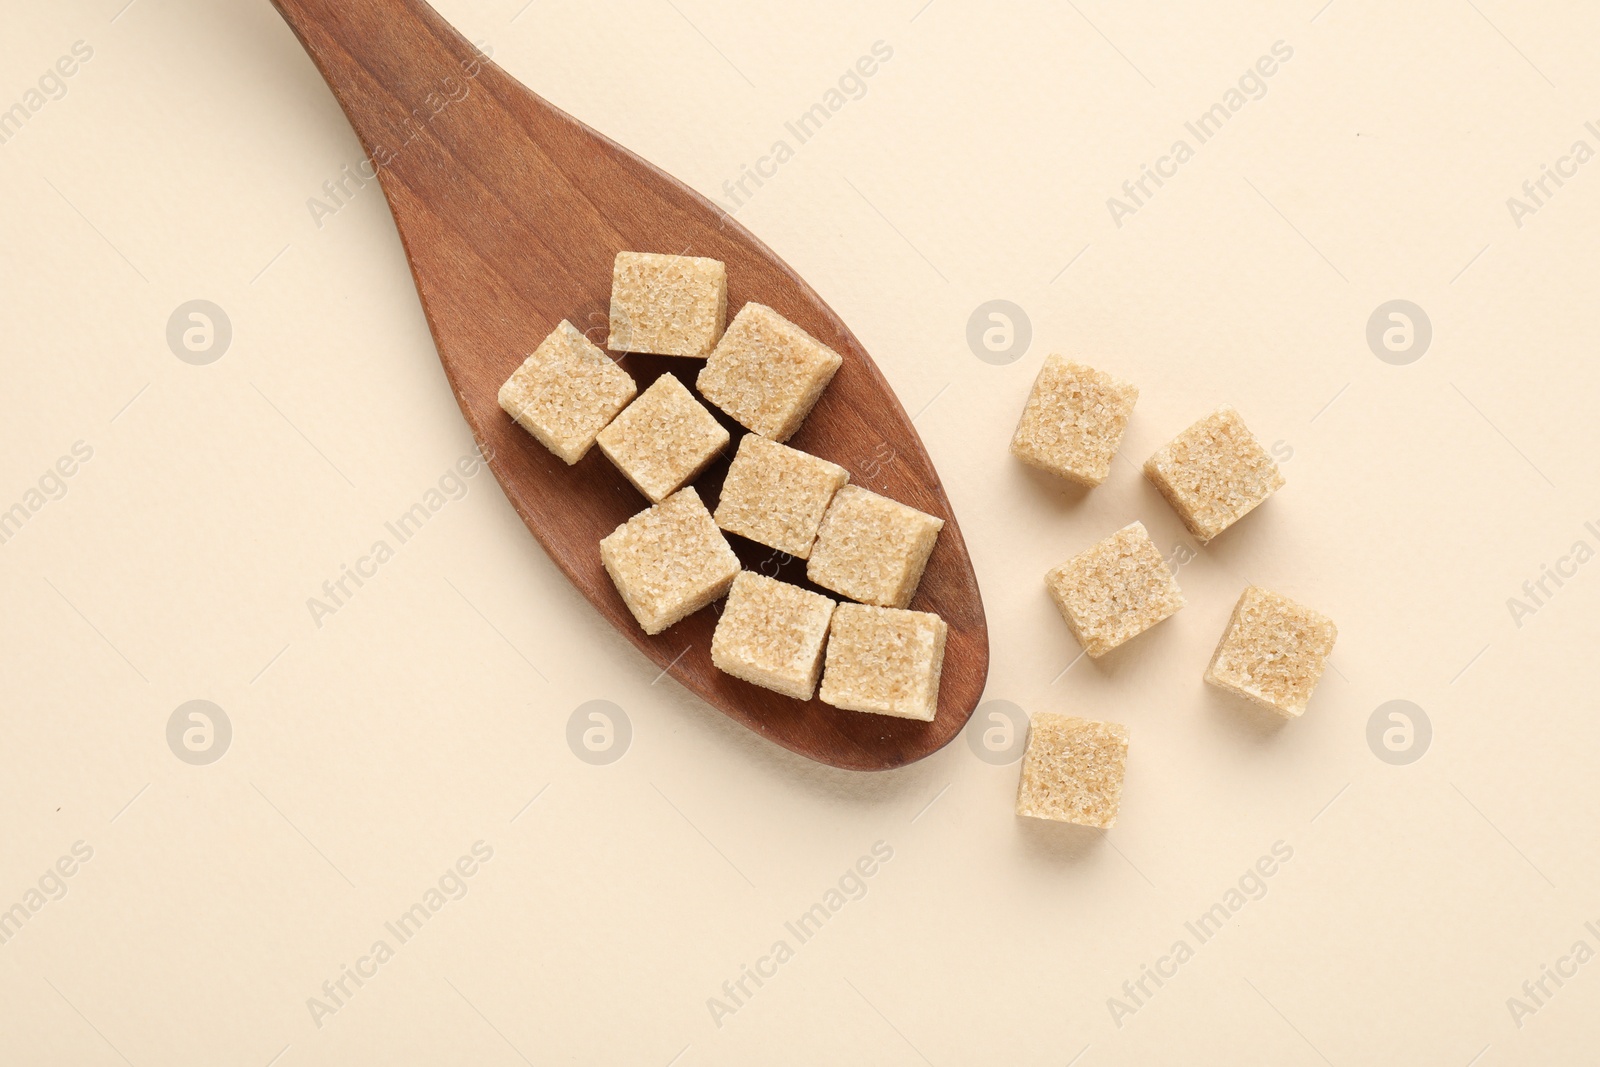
x,y
511,212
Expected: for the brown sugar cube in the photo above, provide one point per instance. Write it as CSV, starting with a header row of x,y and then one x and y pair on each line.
x,y
669,561
1073,421
663,439
771,634
668,305
1214,473
884,661
872,549
767,372
1273,651
776,495
1116,590
1072,770
566,392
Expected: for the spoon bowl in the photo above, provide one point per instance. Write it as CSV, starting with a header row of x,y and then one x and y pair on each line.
x,y
511,213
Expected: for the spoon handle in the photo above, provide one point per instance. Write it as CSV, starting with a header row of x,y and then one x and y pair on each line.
x,y
393,65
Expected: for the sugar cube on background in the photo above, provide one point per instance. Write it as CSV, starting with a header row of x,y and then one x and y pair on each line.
x,y
1073,421
1214,473
1115,590
1273,651
1072,770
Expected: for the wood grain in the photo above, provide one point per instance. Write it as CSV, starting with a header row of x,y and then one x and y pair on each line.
x,y
511,212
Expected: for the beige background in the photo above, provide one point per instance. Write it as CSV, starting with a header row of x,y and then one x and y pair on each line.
x,y
372,752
